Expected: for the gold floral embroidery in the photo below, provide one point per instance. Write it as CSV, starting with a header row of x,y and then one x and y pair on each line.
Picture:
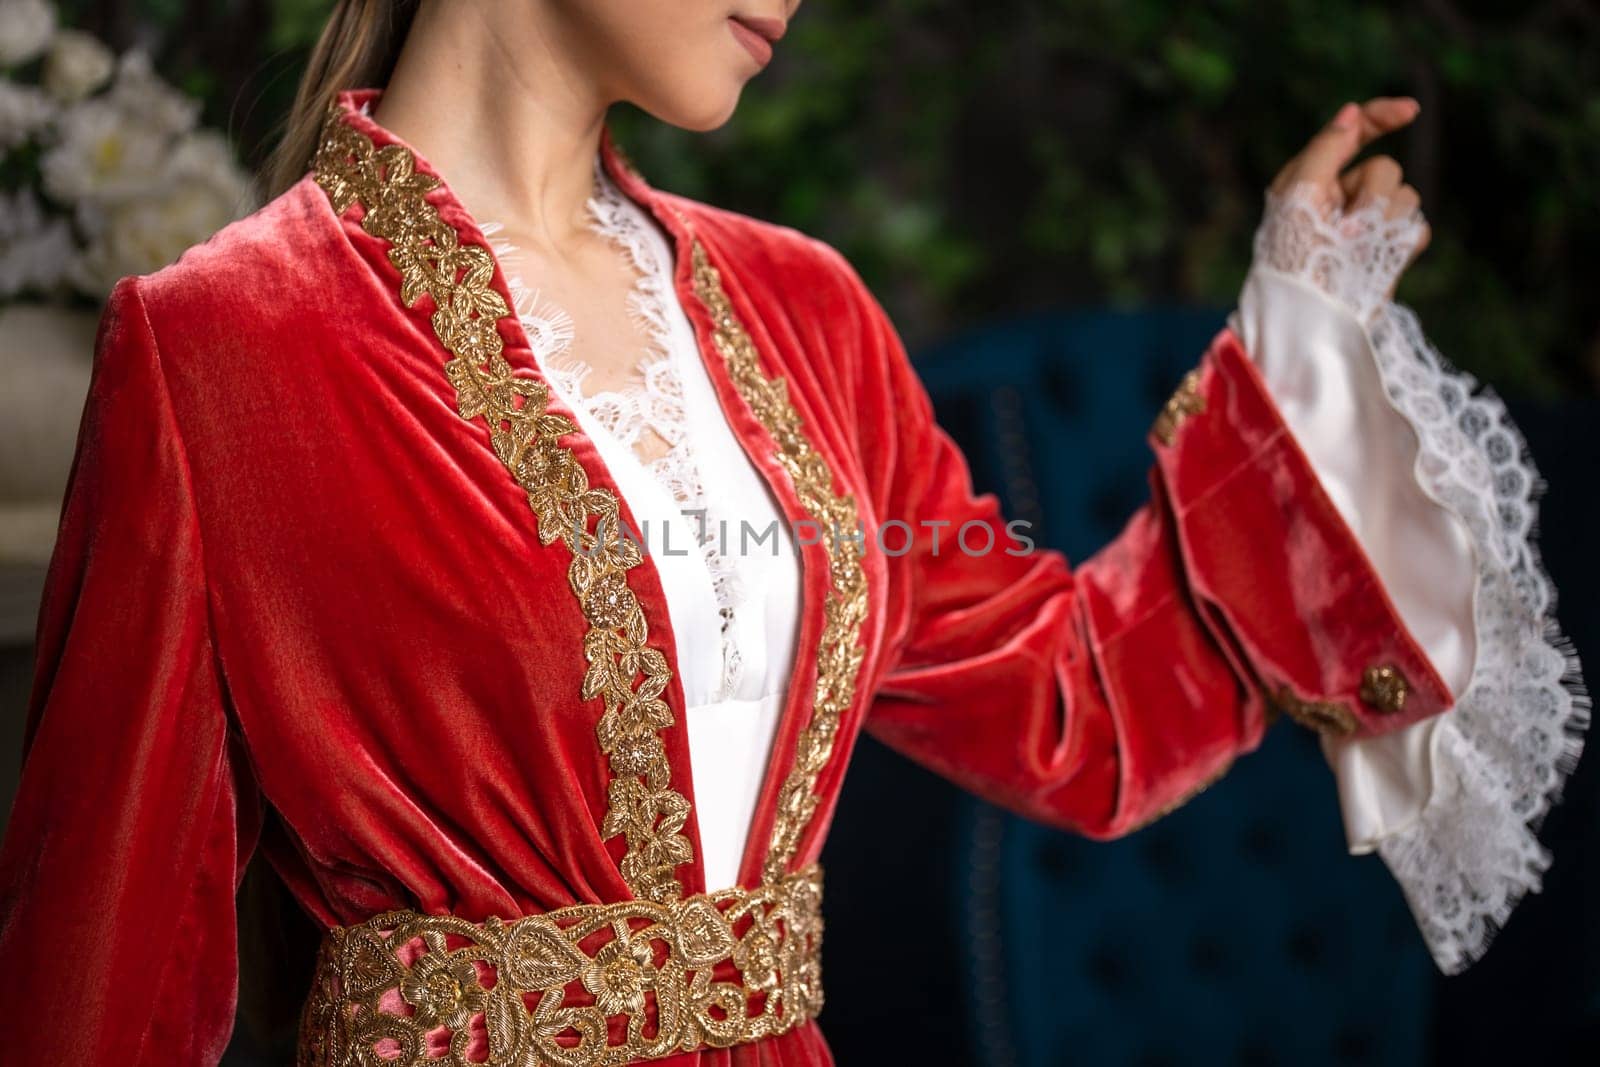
x,y
1384,688
1185,401
549,986
433,262
1323,716
839,654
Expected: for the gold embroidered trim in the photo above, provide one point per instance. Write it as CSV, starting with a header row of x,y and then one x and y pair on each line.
x,y
403,989
1384,687
839,654
1186,400
1323,716
433,262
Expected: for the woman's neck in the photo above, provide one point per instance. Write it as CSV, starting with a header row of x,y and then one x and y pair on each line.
x,y
511,117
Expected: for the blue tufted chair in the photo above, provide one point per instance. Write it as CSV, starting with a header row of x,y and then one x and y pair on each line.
x,y
1234,931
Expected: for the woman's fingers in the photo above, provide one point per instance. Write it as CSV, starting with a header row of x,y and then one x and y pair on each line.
x,y
1336,144
1404,201
1333,146
1379,180
1385,114
1325,163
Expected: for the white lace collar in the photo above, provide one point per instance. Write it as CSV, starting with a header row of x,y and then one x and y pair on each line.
x,y
652,400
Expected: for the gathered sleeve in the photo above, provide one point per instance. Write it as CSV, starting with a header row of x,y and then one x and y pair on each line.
x,y
1431,474
1100,695
1295,556
136,810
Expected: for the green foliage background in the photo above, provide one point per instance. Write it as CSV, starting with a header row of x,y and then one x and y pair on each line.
x,y
978,159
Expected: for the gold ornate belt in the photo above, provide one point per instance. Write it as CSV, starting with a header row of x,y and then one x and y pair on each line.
x,y
590,985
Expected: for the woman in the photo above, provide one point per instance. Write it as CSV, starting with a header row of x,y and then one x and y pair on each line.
x,y
348,572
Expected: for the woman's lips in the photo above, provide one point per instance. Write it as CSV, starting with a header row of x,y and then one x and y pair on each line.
x,y
756,35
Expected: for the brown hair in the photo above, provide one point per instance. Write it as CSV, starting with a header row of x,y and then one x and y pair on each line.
x,y
357,49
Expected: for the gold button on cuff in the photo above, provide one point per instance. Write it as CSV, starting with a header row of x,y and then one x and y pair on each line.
x,y
1384,687
1324,716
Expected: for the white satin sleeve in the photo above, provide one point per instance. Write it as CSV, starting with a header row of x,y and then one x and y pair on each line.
x,y
1436,484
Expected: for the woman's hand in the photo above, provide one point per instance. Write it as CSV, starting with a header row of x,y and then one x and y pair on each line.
x,y
1324,160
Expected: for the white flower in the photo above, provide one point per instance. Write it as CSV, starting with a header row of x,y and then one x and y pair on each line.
x,y
145,234
35,252
76,65
143,182
25,29
102,153
141,93
23,110
205,156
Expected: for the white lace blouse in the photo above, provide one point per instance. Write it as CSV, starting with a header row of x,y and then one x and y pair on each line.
x,y
1431,478
728,563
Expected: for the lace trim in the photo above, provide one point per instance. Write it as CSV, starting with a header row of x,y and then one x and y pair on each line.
x,y
1502,754
651,401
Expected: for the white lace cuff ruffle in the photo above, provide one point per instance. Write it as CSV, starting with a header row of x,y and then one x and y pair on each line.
x,y
1437,484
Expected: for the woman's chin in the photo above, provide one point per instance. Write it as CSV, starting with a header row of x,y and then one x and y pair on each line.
x,y
699,119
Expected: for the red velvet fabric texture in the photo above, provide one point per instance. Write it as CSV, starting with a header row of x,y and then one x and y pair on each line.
x,y
299,604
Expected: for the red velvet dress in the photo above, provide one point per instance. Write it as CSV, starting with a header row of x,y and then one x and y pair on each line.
x,y
326,587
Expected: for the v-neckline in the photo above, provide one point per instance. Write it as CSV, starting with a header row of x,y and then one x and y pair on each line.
x,y
812,557
561,367
648,497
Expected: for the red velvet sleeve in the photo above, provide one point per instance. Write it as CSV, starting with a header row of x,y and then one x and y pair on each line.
x,y
1099,696
136,811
